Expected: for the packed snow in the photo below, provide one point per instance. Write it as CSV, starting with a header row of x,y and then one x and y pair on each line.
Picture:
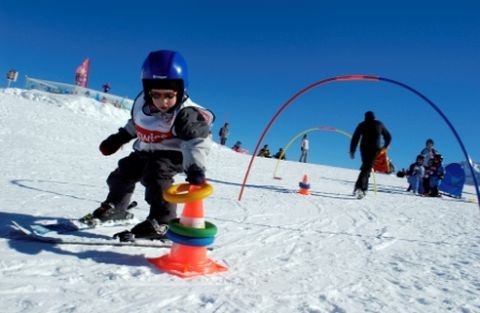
x,y
327,252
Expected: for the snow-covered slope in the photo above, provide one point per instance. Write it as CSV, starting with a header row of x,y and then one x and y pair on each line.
x,y
328,252
468,173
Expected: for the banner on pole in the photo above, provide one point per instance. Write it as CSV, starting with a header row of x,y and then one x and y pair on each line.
x,y
81,74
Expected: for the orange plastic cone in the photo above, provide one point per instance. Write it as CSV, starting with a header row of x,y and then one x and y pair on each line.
x,y
188,261
304,186
193,215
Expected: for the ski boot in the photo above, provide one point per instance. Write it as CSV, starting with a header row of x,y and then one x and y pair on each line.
x,y
105,213
360,194
148,229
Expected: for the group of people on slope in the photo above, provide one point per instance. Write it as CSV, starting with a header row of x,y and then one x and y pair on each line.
x,y
265,151
426,173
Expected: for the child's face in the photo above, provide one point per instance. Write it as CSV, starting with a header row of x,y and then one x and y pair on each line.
x,y
163,99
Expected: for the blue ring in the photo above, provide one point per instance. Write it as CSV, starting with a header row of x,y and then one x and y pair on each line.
x,y
303,185
189,241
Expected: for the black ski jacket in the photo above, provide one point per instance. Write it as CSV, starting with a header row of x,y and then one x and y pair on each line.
x,y
370,132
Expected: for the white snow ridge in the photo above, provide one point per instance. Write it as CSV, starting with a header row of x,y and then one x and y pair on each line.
x,y
327,252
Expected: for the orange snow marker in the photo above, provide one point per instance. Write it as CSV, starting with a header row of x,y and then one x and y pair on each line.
x,y
185,260
382,162
304,186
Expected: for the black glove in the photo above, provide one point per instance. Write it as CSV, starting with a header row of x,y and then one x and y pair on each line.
x,y
195,175
114,142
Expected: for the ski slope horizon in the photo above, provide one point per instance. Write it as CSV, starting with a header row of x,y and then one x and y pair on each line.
x,y
328,252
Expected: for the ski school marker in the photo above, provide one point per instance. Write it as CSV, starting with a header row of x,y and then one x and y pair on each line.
x,y
210,229
190,235
355,78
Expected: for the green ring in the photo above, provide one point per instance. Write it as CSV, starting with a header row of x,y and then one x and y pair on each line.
x,y
209,231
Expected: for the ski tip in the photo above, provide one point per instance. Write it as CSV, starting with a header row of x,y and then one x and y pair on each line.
x,y
19,227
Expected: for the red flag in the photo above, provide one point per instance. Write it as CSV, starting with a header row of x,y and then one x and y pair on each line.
x,y
81,74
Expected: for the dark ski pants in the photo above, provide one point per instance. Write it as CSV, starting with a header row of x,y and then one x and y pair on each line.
x,y
426,185
155,170
368,158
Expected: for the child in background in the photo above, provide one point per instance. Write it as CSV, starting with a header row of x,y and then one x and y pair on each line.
x,y
415,174
428,152
280,154
264,152
237,146
436,173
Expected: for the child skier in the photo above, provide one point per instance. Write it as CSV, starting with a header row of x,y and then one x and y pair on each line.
x,y
415,174
428,152
172,136
435,173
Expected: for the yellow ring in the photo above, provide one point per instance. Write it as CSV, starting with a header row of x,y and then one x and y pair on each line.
x,y
179,193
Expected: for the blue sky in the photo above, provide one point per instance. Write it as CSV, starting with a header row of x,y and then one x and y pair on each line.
x,y
247,59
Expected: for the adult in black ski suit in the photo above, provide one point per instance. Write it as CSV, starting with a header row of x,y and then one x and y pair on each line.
x,y
370,131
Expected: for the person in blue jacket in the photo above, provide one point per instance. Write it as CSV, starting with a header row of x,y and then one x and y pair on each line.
x,y
171,135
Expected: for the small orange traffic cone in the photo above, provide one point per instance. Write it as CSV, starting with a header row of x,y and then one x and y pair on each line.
x,y
304,186
193,215
185,260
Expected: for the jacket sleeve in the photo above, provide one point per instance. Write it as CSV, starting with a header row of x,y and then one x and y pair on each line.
x,y
355,139
387,138
191,127
411,169
130,128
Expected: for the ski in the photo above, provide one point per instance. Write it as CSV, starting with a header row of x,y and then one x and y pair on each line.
x,y
66,225
39,233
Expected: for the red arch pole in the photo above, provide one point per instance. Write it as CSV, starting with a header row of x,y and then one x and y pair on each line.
x,y
350,78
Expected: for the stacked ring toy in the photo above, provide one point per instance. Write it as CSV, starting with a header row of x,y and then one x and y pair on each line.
x,y
183,234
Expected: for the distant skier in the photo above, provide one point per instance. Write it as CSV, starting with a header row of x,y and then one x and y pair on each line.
x,y
106,87
172,137
304,146
223,133
264,152
280,154
370,131
237,146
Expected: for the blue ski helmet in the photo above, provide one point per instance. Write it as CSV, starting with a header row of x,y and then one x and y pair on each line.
x,y
165,69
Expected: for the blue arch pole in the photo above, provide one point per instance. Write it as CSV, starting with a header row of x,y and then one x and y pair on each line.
x,y
368,78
